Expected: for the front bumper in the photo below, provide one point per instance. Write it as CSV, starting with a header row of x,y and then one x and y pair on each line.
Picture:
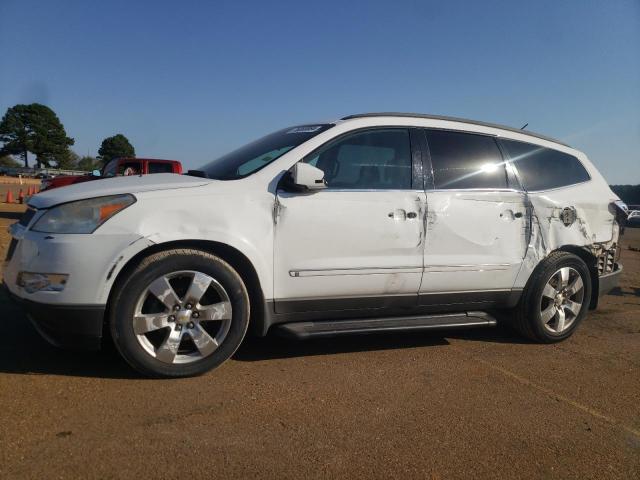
x,y
67,326
609,281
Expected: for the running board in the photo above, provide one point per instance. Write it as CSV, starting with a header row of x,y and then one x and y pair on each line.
x,y
331,328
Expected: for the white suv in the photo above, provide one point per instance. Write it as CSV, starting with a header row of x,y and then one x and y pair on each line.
x,y
375,222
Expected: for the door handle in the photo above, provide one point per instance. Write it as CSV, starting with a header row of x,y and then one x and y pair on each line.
x,y
510,215
398,214
401,214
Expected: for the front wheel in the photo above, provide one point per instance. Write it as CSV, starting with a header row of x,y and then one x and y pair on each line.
x,y
180,313
555,300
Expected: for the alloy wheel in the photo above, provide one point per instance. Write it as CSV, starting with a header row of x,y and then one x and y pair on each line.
x,y
562,299
182,317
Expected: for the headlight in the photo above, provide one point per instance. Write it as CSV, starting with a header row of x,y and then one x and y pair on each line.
x,y
83,216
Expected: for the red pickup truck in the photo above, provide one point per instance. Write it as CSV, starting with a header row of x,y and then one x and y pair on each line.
x,y
117,167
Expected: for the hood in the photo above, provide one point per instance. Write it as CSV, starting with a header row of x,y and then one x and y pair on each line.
x,y
114,186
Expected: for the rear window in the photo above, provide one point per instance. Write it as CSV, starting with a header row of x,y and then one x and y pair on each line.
x,y
160,167
542,168
464,160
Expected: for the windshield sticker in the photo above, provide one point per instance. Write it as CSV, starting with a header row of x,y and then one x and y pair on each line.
x,y
305,129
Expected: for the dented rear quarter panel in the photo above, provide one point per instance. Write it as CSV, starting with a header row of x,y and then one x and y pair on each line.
x,y
593,226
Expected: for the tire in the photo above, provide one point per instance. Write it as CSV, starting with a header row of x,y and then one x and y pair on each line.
x,y
538,301
180,313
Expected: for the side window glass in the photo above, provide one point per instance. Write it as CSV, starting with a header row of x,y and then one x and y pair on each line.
x,y
156,167
465,160
111,169
130,168
542,168
372,159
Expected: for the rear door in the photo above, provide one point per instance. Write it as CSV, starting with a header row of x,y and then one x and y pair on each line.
x,y
357,244
476,222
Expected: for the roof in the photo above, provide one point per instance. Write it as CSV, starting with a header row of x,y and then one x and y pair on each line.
x,y
454,119
145,159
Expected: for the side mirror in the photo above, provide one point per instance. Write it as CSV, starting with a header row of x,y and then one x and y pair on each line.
x,y
96,173
304,178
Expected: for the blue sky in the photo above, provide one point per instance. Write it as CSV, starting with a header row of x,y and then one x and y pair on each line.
x,y
192,80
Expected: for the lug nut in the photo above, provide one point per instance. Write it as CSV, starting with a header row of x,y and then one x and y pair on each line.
x,y
172,318
190,325
176,308
195,314
188,306
178,327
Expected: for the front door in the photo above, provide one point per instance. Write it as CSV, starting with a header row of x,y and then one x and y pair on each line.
x,y
358,243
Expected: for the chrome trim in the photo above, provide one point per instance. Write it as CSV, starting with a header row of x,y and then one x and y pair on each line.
x,y
496,190
471,291
368,190
481,267
354,271
457,120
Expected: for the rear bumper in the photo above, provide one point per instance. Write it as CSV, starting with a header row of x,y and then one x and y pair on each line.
x,y
608,282
67,326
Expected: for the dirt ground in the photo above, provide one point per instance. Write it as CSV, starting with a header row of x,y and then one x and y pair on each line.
x,y
475,404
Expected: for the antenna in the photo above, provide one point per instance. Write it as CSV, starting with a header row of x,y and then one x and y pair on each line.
x,y
524,126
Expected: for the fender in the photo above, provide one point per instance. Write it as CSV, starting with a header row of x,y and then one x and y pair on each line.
x,y
137,247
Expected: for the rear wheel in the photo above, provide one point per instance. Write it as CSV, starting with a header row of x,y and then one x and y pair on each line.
x,y
180,313
555,300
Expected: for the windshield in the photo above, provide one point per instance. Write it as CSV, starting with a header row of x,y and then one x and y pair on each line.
x,y
255,155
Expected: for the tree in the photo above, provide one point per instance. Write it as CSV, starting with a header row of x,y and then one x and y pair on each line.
x,y
8,161
33,128
68,160
114,147
88,163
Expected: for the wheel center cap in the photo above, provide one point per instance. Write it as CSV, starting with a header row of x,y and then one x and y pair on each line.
x,y
183,316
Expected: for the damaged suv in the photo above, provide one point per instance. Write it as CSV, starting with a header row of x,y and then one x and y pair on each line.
x,y
373,223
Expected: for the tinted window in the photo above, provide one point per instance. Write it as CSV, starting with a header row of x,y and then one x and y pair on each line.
x,y
111,169
256,155
465,160
130,168
378,159
543,168
156,167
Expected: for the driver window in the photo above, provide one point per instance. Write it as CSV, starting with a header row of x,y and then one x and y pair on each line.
x,y
372,159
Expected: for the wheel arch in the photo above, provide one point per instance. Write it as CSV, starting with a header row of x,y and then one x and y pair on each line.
x,y
234,257
592,263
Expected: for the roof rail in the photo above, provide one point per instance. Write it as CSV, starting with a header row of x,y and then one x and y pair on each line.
x,y
454,119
